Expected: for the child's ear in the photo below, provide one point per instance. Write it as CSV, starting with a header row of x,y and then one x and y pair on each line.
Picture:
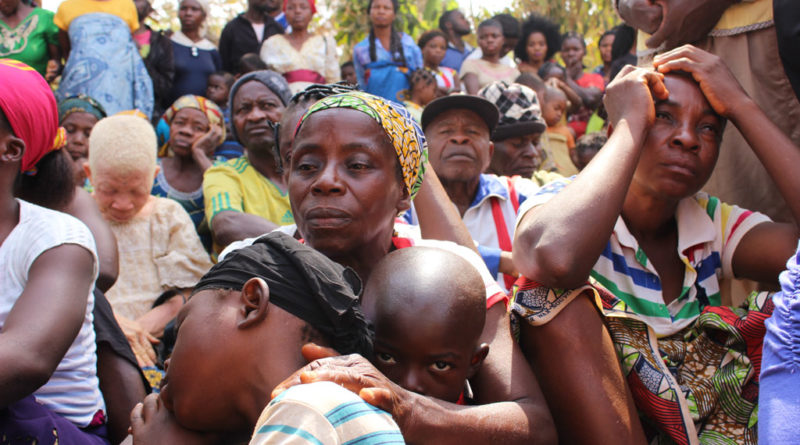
x,y
481,351
255,302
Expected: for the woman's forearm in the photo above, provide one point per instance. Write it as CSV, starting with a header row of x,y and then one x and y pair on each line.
x,y
557,243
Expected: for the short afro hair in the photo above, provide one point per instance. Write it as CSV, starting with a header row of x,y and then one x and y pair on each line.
x,y
543,25
125,144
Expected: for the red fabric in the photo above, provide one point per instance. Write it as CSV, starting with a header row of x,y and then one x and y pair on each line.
x,y
311,3
303,76
591,80
30,108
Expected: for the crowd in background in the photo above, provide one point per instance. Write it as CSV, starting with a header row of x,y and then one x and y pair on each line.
x,y
592,257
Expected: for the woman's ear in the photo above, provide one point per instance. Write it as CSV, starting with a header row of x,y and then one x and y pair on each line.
x,y
13,149
481,351
255,302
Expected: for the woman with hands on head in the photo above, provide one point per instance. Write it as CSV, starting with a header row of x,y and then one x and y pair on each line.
x,y
673,243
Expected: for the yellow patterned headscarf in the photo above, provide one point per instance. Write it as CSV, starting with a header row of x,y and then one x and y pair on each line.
x,y
403,131
209,108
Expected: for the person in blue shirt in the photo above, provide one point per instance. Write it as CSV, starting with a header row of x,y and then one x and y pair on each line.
x,y
386,57
455,26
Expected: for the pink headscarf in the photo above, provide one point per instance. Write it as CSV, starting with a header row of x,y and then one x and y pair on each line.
x,y
30,108
311,3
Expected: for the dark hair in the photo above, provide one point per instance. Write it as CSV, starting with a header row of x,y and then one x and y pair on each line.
x,y
422,75
533,82
491,23
250,62
542,25
447,17
346,64
573,35
395,43
624,39
427,36
610,32
591,141
228,77
53,185
509,24
547,66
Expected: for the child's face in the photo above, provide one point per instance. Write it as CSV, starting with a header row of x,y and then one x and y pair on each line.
x,y
349,75
188,125
572,51
217,90
434,51
425,92
205,349
121,196
491,41
553,109
79,126
424,352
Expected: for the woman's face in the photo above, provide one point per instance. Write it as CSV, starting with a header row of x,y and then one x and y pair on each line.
x,y
572,51
8,7
188,125
191,15
433,51
605,48
536,48
298,13
381,13
344,187
79,126
490,39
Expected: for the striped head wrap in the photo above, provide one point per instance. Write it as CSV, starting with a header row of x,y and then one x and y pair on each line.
x,y
400,127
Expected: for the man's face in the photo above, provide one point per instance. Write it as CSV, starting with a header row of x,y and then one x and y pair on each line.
x,y
266,6
255,109
516,156
460,24
459,145
681,148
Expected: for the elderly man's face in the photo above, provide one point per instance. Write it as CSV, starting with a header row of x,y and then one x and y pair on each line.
x,y
459,146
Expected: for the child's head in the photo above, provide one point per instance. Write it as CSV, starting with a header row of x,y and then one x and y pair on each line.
x,y
422,87
219,86
78,115
552,69
427,335
122,165
553,106
434,46
586,147
348,73
250,62
490,38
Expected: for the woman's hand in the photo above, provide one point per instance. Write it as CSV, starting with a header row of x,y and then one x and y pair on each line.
x,y
140,340
356,374
631,96
721,89
203,148
153,424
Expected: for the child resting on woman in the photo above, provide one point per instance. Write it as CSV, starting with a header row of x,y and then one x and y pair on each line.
x,y
422,89
427,337
159,249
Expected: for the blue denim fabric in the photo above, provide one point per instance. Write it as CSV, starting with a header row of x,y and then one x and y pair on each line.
x,y
779,392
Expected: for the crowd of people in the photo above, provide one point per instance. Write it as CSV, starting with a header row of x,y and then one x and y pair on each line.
x,y
241,240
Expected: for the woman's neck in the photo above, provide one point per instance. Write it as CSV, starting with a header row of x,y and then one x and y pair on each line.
x,y
493,58
647,215
9,209
575,70
384,34
364,259
431,66
192,34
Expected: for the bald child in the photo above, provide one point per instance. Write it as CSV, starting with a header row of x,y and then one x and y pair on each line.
x,y
427,333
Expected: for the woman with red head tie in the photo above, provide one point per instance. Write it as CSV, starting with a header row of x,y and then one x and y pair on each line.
x,y
48,266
